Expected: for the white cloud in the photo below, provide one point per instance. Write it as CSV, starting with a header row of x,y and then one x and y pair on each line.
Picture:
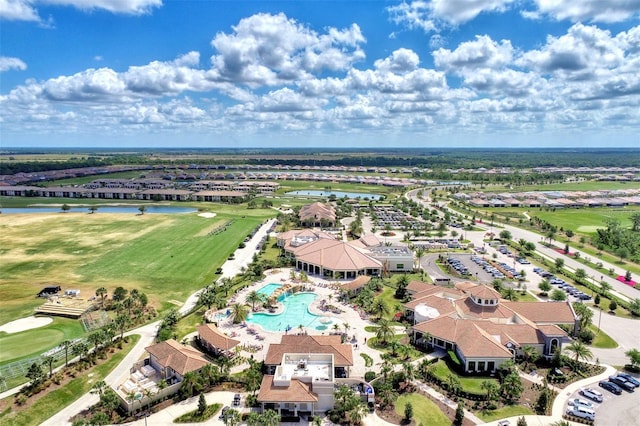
x,y
590,10
578,54
401,61
433,15
18,10
269,49
25,10
460,11
483,52
8,63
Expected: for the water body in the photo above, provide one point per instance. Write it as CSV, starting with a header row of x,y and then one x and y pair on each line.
x,y
338,194
101,209
295,313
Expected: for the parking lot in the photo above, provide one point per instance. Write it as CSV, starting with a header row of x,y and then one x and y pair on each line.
x,y
614,409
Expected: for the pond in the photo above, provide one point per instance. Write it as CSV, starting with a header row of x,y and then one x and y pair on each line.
x,y
338,194
101,209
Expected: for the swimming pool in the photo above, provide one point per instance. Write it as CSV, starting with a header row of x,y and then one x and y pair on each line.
x,y
268,289
296,312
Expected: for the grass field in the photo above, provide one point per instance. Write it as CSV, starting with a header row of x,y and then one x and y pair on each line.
x,y
39,339
425,412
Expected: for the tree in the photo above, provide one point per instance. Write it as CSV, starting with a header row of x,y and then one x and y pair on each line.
x,y
65,208
613,305
559,264
459,418
379,308
634,357
521,421
191,384
634,307
202,405
635,221
511,387
109,400
270,418
80,349
581,274
239,313
545,287
35,374
93,209
119,294
558,295
408,411
254,297
543,401
101,293
99,388
505,235
48,361
491,388
66,344
627,276
584,314
142,209
579,351
384,331
510,294
529,354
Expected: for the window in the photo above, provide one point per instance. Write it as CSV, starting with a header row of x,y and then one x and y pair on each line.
x,y
400,266
481,365
472,365
491,366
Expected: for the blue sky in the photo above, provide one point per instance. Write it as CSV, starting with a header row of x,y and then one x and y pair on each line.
x,y
324,73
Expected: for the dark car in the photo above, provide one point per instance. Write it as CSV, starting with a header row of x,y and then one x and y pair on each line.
x,y
611,387
629,378
628,386
223,413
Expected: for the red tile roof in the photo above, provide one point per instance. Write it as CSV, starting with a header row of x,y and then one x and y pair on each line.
x,y
295,392
181,358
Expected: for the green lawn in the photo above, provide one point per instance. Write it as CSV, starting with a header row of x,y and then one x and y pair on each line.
x,y
194,417
469,384
56,400
602,339
425,412
501,413
33,342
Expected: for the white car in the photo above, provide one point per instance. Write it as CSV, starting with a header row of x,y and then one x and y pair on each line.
x,y
582,412
580,402
592,394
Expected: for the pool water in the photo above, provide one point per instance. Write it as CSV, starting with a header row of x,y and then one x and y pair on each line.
x,y
268,289
296,312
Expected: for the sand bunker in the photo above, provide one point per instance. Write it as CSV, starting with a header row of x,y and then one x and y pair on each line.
x,y
23,324
207,215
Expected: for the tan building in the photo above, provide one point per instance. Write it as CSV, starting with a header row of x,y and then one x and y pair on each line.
x,y
482,329
303,374
215,341
317,214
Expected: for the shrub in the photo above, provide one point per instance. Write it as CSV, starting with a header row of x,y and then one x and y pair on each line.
x,y
369,376
613,305
21,399
586,336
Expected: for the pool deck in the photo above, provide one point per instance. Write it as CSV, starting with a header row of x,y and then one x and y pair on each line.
x,y
260,339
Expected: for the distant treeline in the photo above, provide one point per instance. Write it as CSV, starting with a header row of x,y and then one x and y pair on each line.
x,y
436,159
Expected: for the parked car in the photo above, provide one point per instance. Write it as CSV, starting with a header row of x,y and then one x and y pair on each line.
x,y
224,412
582,412
592,394
236,400
611,387
504,423
622,383
630,378
580,402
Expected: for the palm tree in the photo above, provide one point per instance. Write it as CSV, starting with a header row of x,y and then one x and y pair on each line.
x,y
379,308
384,331
254,297
239,313
584,314
101,293
356,414
99,388
579,351
419,252
510,294
270,418
66,344
48,361
529,354
491,388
